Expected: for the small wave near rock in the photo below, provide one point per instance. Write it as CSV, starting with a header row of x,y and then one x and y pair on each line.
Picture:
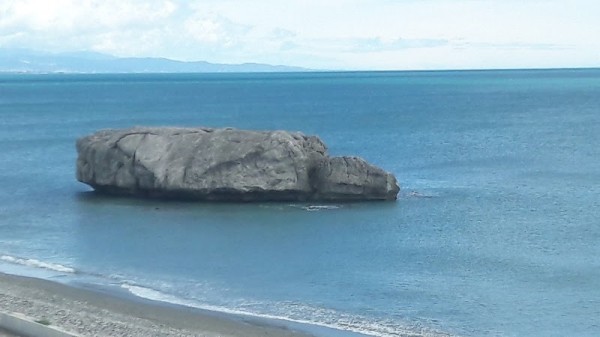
x,y
316,208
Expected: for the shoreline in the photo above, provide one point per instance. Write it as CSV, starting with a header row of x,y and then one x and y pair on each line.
x,y
93,312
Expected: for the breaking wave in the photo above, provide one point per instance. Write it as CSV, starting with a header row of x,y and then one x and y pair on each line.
x,y
301,314
37,264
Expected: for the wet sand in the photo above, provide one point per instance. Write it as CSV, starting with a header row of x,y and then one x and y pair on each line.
x,y
94,313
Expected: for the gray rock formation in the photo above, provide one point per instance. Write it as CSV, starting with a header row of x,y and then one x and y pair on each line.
x,y
225,165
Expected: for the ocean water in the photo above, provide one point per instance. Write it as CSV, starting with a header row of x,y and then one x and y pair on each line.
x,y
496,231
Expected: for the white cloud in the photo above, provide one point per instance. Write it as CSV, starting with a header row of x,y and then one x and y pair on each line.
x,y
362,34
72,16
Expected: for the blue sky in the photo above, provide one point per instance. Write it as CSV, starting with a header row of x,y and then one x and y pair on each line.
x,y
325,34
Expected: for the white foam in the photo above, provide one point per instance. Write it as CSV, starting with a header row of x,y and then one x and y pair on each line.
x,y
315,208
37,264
318,316
154,295
320,207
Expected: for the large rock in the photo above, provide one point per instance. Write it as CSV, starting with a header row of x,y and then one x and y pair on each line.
x,y
225,165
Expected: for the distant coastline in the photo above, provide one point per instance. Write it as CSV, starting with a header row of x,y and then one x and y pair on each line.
x,y
25,61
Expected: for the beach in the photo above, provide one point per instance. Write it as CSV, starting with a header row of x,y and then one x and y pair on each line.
x,y
93,313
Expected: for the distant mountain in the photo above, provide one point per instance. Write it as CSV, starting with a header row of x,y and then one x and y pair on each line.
x,y
29,61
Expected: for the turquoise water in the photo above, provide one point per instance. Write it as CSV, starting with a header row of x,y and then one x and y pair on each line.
x,y
495,232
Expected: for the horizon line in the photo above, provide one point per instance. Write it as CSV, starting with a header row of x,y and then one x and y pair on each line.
x,y
307,70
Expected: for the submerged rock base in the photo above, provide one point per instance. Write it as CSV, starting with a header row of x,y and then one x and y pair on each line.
x,y
225,165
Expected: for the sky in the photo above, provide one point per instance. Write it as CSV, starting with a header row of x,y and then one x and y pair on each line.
x,y
318,34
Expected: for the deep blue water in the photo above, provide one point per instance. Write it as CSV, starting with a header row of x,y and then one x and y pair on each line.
x,y
500,237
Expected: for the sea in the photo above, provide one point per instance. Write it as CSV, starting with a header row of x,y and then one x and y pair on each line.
x,y
496,231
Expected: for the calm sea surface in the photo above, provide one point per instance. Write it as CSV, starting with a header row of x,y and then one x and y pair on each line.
x,y
496,231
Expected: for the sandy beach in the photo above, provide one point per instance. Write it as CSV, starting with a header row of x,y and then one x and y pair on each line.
x,y
92,313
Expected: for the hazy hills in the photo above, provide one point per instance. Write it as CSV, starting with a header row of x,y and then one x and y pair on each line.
x,y
29,61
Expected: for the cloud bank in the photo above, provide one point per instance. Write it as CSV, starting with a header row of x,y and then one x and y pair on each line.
x,y
335,34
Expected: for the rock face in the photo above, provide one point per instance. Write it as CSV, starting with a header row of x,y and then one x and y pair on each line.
x,y
225,165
